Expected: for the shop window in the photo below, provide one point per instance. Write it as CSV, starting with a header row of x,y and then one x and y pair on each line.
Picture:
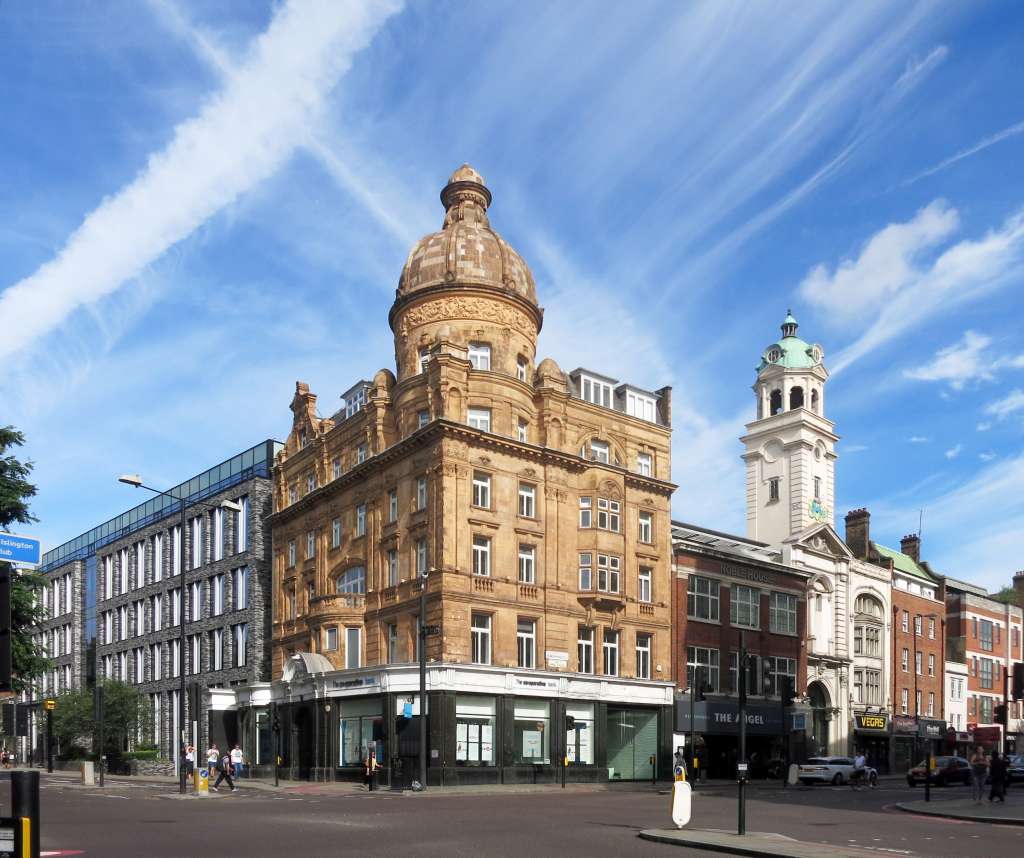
x,y
361,728
531,733
474,730
579,742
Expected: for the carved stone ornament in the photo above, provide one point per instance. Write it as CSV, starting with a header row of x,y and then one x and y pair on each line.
x,y
481,309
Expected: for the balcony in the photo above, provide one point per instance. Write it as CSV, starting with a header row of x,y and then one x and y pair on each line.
x,y
337,603
529,592
482,585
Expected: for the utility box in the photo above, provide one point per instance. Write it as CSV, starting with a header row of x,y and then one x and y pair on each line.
x,y
202,781
88,773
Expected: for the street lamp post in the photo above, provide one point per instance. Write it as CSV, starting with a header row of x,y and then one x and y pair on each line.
x,y
917,713
423,680
136,481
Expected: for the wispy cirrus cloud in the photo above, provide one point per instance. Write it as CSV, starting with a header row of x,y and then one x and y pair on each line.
x,y
241,136
954,451
908,272
983,144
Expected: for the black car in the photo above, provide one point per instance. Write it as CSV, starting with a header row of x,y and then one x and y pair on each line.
x,y
1014,770
948,770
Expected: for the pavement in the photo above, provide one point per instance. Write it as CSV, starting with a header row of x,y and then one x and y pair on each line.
x,y
1010,812
753,843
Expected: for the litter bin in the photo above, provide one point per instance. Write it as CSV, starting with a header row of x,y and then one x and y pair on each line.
x,y
88,773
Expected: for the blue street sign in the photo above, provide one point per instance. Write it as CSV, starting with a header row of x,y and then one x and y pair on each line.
x,y
23,550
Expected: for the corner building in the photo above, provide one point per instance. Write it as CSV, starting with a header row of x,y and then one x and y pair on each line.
x,y
535,505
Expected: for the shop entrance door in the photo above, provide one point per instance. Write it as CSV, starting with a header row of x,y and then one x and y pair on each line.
x,y
632,740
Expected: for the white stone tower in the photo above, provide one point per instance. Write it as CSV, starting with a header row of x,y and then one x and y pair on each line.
x,y
790,446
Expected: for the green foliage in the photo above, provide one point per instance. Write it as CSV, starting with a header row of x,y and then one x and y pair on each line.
x,y
124,711
27,660
1007,595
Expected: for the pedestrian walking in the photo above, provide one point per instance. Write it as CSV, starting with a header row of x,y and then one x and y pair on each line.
x,y
979,768
190,760
225,774
237,760
997,769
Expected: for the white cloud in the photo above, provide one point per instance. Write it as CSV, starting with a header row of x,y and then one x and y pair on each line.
x,y
963,362
917,69
1009,404
981,145
984,427
987,456
241,136
954,451
903,275
958,363
972,530
855,448
918,439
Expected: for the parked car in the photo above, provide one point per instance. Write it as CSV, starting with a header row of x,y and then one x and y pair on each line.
x,y
831,770
948,770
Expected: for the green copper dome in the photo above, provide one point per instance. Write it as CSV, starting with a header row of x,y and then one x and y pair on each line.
x,y
790,352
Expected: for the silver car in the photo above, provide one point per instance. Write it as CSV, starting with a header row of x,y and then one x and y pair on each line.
x,y
827,770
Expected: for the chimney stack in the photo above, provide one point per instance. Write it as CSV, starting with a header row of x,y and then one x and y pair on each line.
x,y
858,532
911,546
1018,586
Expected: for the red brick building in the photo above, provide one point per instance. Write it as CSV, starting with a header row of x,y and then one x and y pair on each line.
x,y
986,634
726,585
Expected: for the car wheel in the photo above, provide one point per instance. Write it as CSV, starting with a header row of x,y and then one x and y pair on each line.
x,y
940,781
837,780
806,782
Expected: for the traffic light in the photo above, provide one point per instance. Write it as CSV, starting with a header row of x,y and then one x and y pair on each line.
x,y
787,691
1000,714
1018,681
570,723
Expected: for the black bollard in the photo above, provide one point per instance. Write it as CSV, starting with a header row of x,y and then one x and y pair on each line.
x,y
25,803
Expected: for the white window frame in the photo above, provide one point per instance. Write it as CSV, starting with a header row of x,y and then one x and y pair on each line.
x,y
598,451
526,643
480,356
240,588
522,368
527,564
392,558
480,638
421,557
609,569
782,613
646,527
331,639
638,405
644,464
522,430
644,646
392,504
595,391
586,571
336,532
421,493
218,589
585,648
610,653
481,556
527,501
479,418
310,544
481,490
353,647
361,519
336,467
586,511
609,515
240,638
645,579
745,606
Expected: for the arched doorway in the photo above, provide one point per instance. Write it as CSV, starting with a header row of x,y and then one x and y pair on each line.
x,y
820,717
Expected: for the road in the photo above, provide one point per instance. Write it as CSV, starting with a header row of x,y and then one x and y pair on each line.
x,y
130,818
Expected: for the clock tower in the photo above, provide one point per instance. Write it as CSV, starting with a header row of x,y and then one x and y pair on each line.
x,y
790,445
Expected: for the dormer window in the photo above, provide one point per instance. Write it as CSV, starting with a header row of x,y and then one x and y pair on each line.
x,y
355,401
480,355
593,390
640,406
774,355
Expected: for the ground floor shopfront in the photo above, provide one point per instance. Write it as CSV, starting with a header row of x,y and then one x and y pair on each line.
x,y
913,739
775,736
484,725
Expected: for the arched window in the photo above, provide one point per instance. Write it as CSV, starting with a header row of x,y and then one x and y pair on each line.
x,y
796,398
776,402
352,580
814,402
868,606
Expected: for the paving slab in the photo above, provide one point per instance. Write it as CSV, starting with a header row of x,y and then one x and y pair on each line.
x,y
1010,812
753,843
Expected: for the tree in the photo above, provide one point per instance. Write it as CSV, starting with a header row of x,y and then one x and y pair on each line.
x,y
125,711
1007,595
27,659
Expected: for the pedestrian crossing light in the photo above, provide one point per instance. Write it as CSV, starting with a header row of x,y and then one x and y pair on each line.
x,y
570,723
1000,714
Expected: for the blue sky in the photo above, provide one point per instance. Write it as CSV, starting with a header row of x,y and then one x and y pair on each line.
x,y
201,204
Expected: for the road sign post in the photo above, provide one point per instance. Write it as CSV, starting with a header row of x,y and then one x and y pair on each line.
x,y
49,704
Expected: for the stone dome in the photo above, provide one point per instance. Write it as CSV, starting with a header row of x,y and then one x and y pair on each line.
x,y
466,250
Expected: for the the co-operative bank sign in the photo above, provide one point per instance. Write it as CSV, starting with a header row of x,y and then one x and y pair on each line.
x,y
23,550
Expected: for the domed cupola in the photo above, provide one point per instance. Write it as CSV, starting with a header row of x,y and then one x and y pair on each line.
x,y
466,286
466,250
791,352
